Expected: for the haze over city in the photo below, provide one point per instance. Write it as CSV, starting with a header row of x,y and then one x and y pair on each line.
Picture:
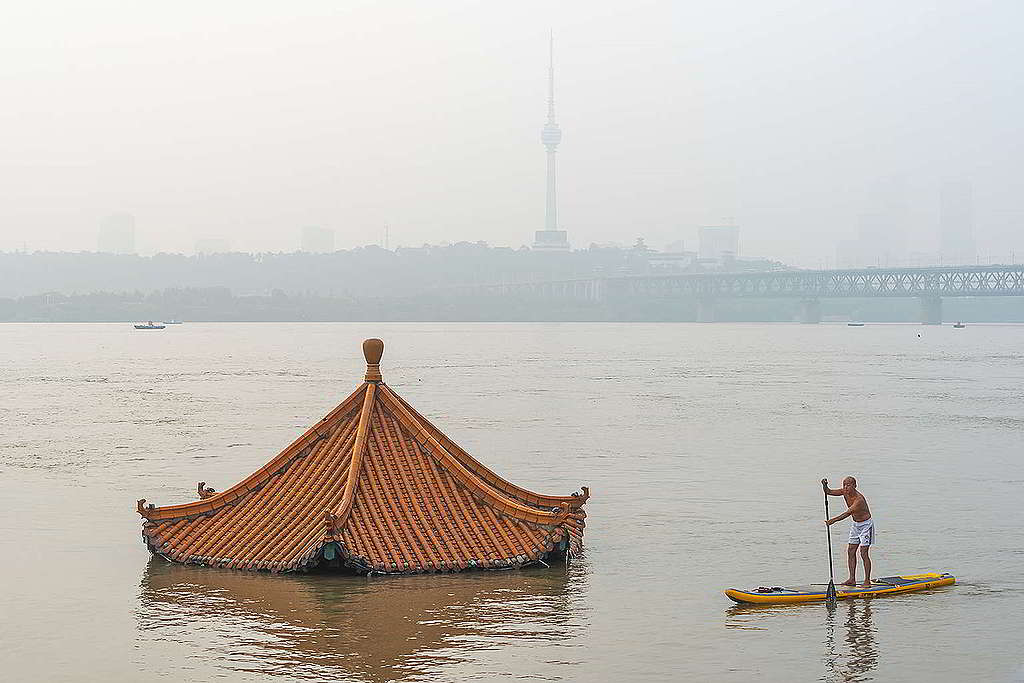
x,y
404,342
240,123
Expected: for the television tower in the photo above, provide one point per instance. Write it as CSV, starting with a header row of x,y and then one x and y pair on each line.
x,y
551,237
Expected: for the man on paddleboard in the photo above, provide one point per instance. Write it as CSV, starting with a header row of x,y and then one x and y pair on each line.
x,y
862,533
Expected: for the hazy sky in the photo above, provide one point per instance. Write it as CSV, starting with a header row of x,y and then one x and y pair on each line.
x,y
249,120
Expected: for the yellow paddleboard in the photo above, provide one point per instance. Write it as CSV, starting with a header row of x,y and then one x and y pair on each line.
x,y
887,585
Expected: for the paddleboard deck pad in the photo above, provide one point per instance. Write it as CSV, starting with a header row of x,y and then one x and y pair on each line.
x,y
887,585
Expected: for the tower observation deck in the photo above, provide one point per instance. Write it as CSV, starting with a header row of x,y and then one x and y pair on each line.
x,y
551,238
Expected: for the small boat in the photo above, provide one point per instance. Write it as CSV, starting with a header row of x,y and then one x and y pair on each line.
x,y
959,326
149,325
172,322
855,324
889,585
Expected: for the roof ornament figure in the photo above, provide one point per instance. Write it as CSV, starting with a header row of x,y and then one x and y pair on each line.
x,y
373,487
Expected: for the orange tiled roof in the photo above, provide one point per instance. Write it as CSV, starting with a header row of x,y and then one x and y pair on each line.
x,y
374,487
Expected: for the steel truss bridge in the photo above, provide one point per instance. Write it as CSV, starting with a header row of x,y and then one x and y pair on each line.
x,y
930,285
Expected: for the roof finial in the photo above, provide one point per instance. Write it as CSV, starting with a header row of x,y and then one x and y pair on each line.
x,y
373,349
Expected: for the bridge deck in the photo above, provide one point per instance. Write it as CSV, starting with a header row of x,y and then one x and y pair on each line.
x,y
949,281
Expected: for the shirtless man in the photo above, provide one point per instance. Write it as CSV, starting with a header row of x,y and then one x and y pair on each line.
x,y
862,533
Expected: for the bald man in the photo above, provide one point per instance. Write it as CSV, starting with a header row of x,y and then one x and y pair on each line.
x,y
862,533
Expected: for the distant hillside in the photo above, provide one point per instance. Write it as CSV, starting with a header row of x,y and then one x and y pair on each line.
x,y
367,271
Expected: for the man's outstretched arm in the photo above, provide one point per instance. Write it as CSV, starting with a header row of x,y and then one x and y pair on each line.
x,y
828,491
846,514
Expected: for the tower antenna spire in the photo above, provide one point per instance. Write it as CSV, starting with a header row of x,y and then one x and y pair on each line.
x,y
550,135
551,77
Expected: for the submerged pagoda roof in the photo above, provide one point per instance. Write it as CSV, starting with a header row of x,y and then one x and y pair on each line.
x,y
373,487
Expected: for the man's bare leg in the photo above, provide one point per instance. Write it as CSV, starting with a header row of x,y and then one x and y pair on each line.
x,y
867,565
851,559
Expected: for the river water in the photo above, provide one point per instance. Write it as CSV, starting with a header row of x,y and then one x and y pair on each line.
x,y
702,444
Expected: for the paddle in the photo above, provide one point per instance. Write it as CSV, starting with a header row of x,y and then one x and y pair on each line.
x,y
830,594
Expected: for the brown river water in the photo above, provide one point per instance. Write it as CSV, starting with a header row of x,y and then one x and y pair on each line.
x,y
702,444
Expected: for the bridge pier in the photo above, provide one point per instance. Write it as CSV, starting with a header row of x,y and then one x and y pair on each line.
x,y
705,309
810,311
931,310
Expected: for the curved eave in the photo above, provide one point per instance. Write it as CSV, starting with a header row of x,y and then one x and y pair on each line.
x,y
495,498
261,476
483,472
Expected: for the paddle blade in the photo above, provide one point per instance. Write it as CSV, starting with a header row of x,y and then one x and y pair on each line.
x,y
831,599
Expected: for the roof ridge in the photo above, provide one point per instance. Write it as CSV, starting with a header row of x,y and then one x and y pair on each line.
x,y
338,518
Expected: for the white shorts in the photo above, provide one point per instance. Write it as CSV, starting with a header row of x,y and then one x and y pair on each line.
x,y
863,533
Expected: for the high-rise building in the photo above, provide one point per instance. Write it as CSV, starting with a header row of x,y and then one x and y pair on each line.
x,y
882,226
316,240
848,254
718,242
117,234
956,222
551,238
881,238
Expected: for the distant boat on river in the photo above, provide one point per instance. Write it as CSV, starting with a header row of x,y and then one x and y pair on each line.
x,y
852,324
959,326
149,325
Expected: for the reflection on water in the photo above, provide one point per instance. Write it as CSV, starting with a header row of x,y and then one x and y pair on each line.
x,y
860,637
858,632
831,656
850,647
352,628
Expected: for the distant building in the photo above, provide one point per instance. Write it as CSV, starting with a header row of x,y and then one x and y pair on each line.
x,y
117,234
956,223
718,243
551,238
317,240
882,237
848,254
881,229
212,245
671,260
